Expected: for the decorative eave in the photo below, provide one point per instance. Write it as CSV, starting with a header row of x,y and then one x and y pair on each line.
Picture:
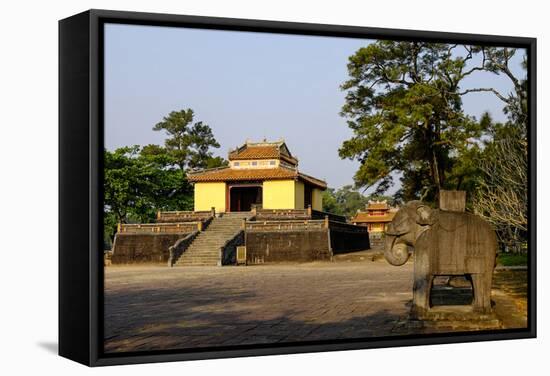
x,y
313,181
363,217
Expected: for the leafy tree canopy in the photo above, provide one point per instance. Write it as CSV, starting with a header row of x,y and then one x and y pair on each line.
x,y
404,106
139,181
347,201
188,143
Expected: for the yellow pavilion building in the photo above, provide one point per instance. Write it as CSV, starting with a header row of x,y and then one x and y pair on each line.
x,y
264,174
376,217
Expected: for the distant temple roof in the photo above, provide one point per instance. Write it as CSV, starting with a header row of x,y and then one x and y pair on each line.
x,y
364,217
376,212
287,169
263,150
378,205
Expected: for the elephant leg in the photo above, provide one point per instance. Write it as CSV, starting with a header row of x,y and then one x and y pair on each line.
x,y
421,293
423,279
481,284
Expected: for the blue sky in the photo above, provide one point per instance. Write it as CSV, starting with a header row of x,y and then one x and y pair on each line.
x,y
245,85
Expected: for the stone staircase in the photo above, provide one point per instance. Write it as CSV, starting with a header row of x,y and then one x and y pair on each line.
x,y
205,248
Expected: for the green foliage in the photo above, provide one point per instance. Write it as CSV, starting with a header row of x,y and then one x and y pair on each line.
x,y
330,204
109,228
347,201
404,106
512,259
139,181
188,144
501,194
125,181
214,162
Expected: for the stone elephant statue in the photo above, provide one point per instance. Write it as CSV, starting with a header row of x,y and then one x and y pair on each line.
x,y
447,243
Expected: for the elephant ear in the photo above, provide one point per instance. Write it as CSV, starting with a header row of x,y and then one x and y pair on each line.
x,y
425,215
398,227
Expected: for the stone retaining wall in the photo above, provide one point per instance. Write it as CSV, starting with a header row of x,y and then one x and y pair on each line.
x,y
342,241
292,245
132,248
229,250
301,240
345,237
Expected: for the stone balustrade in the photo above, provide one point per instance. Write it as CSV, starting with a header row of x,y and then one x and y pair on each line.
x,y
159,228
184,216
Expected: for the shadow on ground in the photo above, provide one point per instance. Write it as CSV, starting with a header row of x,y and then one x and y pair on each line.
x,y
51,347
210,312
206,317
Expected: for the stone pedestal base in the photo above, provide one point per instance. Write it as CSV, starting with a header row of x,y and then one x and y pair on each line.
x,y
442,319
454,318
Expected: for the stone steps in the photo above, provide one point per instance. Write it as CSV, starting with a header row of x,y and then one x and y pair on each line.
x,y
198,263
213,259
214,241
205,248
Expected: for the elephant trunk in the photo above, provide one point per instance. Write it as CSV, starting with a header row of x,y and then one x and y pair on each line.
x,y
395,254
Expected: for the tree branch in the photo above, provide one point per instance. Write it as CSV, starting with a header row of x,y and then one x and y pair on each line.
x,y
474,69
489,89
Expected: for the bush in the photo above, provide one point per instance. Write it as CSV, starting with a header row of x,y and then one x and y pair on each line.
x,y
512,259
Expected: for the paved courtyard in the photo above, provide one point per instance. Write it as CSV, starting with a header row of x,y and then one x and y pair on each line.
x,y
159,308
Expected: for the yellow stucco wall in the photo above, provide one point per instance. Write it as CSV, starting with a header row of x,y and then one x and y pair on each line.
x,y
279,194
208,195
299,195
317,199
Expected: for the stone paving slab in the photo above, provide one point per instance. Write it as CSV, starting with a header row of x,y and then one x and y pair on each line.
x,y
160,308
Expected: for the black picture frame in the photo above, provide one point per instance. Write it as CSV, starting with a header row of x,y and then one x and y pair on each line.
x,y
80,184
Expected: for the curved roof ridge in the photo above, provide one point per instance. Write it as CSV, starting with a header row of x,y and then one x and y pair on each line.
x,y
263,150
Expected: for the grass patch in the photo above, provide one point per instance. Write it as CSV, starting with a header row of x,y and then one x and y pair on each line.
x,y
512,259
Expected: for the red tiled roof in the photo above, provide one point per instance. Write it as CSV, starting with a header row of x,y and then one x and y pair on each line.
x,y
256,152
233,174
363,217
269,151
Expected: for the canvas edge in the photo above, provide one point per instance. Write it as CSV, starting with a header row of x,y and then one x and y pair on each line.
x,y
74,128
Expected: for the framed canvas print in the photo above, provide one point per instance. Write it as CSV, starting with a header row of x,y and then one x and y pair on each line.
x,y
235,187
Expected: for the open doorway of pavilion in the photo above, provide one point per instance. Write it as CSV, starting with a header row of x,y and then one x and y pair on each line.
x,y
242,197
